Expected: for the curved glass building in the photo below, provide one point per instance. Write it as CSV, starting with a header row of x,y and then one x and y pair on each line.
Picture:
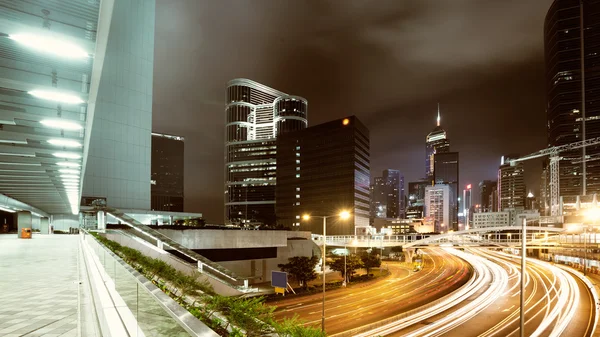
x,y
565,79
255,116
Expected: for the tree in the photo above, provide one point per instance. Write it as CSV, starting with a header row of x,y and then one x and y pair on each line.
x,y
301,268
370,260
294,327
353,262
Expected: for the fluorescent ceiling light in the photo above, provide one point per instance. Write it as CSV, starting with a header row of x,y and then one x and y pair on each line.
x,y
56,96
50,45
69,171
68,155
7,210
68,164
64,142
71,176
61,124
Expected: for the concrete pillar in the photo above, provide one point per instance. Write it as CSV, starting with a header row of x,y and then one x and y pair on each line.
x,y
170,220
44,225
101,220
23,221
409,254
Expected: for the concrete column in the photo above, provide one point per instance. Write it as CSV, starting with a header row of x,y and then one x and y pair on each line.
x,y
101,220
23,221
409,254
170,220
44,225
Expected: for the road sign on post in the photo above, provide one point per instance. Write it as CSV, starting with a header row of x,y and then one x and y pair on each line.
x,y
278,279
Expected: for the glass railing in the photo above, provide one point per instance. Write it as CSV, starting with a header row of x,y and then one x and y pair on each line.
x,y
137,305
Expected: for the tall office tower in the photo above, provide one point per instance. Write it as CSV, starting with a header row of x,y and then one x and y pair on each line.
x,y
446,166
416,198
572,65
403,198
167,173
494,199
467,204
485,190
323,170
378,198
118,161
387,194
511,185
256,116
436,142
437,206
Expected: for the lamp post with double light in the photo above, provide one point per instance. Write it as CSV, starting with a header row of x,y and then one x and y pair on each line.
x,y
342,215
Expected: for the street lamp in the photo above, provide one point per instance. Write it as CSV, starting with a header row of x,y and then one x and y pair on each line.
x,y
342,215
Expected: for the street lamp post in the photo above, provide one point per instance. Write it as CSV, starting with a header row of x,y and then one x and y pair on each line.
x,y
343,215
345,275
522,297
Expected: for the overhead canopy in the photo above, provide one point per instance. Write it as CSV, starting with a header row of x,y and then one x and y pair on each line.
x,y
46,58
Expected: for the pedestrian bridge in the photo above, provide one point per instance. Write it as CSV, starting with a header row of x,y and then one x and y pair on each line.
x,y
493,236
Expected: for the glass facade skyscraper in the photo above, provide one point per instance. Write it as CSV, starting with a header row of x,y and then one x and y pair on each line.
x,y
387,195
565,79
446,166
511,185
436,142
255,116
167,173
322,170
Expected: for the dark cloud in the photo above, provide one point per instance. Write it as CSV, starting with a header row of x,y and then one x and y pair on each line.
x,y
388,62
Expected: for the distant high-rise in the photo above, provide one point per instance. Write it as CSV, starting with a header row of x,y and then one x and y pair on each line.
x,y
436,142
446,166
511,185
437,206
564,83
416,198
485,190
323,170
387,193
166,193
467,205
255,116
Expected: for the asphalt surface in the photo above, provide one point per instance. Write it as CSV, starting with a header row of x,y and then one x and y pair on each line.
x,y
501,318
364,303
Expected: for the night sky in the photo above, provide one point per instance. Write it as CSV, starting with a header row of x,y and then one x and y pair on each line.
x,y
387,62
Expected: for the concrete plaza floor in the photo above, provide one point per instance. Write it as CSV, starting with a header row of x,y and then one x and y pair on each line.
x,y
39,281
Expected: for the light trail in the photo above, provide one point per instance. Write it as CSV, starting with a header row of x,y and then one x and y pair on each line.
x,y
487,277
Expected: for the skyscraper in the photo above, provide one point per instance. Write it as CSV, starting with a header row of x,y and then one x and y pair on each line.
x,y
446,166
572,65
323,170
436,142
511,185
387,193
437,206
416,198
167,173
255,116
485,190
467,205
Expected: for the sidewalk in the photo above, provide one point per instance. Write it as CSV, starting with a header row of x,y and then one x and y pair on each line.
x,y
39,284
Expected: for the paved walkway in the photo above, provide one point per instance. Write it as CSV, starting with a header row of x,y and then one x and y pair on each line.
x,y
39,280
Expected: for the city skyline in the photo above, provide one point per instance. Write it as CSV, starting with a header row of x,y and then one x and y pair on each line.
x,y
473,79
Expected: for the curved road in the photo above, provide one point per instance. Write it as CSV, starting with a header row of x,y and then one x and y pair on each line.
x,y
557,303
364,303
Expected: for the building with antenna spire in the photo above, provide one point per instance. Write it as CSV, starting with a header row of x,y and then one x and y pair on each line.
x,y
436,142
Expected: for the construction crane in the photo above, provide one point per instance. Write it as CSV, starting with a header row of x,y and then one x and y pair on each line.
x,y
553,153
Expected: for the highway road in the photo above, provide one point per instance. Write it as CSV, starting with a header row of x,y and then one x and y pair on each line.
x,y
363,303
557,304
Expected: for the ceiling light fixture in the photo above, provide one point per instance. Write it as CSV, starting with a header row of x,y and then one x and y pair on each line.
x,y
56,96
64,142
67,164
51,45
68,155
61,124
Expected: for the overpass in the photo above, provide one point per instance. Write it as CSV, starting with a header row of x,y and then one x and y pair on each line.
x,y
489,236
